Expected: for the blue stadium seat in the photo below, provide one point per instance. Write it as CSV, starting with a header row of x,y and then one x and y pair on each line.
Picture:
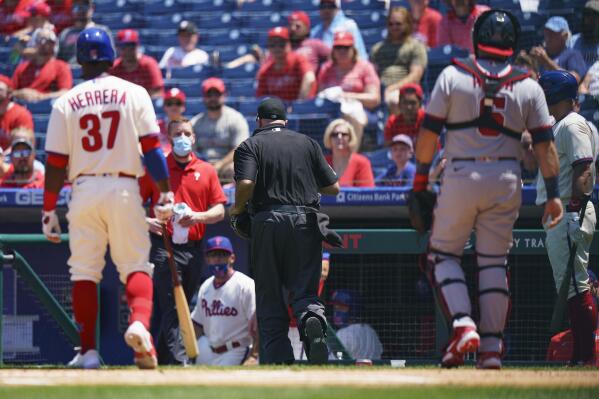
x,y
311,117
160,7
167,21
241,87
118,21
194,106
591,115
39,107
304,5
40,140
248,107
372,36
439,58
193,72
588,102
246,71
225,37
224,20
155,52
262,21
40,122
76,72
368,19
505,4
315,106
206,5
5,54
191,87
110,6
363,5
229,53
162,37
380,160
262,5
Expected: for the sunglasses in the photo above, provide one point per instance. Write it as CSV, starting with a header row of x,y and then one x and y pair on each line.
x,y
394,24
340,134
21,153
169,103
276,45
342,48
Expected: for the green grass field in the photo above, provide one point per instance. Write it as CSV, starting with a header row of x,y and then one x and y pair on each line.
x,y
151,392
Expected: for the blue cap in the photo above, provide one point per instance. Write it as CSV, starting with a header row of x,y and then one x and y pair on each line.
x,y
559,86
219,243
557,24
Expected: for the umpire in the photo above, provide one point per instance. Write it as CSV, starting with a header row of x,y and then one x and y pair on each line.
x,y
280,173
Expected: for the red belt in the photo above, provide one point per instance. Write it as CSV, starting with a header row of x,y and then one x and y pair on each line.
x,y
223,349
120,174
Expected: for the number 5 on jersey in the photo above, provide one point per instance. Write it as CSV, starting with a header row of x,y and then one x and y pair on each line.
x,y
91,123
497,115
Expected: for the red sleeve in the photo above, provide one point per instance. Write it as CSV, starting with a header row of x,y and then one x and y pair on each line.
x,y
147,187
443,33
389,128
322,76
64,80
17,74
155,74
217,195
364,176
303,64
23,119
370,76
261,89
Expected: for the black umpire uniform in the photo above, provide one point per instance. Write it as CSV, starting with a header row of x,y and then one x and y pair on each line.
x,y
282,173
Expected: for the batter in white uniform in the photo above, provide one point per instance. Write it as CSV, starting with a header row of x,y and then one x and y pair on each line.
x,y
225,314
95,131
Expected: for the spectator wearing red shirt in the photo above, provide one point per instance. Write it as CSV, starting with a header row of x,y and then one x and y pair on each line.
x,y
353,169
38,16
315,51
136,67
285,74
195,183
456,26
61,15
13,15
411,114
21,172
350,80
426,21
174,106
43,76
12,115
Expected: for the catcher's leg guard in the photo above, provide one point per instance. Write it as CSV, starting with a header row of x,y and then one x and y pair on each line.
x,y
494,301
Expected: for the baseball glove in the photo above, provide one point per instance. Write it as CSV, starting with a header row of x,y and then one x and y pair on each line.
x,y
242,225
420,209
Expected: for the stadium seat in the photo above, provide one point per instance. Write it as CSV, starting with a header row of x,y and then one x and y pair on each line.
x,y
372,36
588,102
160,7
167,21
155,52
241,87
315,106
368,19
246,71
439,58
248,107
311,117
193,72
76,72
262,5
161,37
229,53
194,106
505,4
363,5
380,160
191,87
118,21
39,107
304,5
206,5
110,6
224,37
262,20
40,122
224,20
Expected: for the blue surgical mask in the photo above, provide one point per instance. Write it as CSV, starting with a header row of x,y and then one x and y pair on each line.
x,y
219,270
182,145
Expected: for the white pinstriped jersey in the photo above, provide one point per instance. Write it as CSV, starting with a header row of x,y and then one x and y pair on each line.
x,y
225,312
457,97
98,124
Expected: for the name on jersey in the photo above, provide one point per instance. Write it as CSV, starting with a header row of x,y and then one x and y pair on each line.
x,y
218,309
97,97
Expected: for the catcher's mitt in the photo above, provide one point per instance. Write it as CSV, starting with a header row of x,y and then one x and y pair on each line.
x,y
242,225
420,209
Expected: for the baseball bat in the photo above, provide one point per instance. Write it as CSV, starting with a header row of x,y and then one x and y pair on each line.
x,y
185,324
559,309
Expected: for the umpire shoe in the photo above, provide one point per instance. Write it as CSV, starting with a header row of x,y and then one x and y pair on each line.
x,y
488,360
464,340
318,352
140,340
88,360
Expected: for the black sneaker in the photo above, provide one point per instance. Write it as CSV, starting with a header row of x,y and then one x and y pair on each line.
x,y
318,352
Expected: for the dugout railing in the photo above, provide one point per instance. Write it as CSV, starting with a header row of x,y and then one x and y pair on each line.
x,y
380,266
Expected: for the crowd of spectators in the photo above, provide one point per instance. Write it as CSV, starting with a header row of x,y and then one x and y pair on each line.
x,y
304,60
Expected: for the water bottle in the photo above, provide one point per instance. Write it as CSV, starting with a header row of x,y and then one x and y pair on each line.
x,y
179,232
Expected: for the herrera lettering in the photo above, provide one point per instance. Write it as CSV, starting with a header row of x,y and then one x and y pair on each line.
x,y
97,97
218,309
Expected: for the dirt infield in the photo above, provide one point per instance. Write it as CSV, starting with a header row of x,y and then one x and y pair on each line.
x,y
359,377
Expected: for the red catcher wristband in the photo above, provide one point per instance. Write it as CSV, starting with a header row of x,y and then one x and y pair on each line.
x,y
50,199
420,182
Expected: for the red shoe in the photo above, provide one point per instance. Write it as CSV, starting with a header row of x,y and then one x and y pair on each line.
x,y
464,340
488,360
140,340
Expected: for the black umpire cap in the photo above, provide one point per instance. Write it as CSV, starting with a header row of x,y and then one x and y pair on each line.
x,y
187,27
272,108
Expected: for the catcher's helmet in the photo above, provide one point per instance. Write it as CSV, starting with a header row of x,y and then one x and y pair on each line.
x,y
558,86
93,45
496,32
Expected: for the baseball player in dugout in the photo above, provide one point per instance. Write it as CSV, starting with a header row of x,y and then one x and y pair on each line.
x,y
224,318
281,173
485,104
199,200
576,150
95,132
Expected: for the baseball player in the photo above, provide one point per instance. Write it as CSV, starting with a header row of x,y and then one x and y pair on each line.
x,y
225,314
95,132
485,104
577,150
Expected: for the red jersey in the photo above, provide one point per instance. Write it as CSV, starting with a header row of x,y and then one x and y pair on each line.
x,y
53,76
147,74
315,51
397,125
13,18
15,116
358,172
284,83
428,25
35,181
197,185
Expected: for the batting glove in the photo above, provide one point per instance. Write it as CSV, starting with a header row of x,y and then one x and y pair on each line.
x,y
574,229
164,207
50,226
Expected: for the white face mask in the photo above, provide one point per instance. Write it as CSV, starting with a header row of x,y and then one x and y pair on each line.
x,y
182,145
